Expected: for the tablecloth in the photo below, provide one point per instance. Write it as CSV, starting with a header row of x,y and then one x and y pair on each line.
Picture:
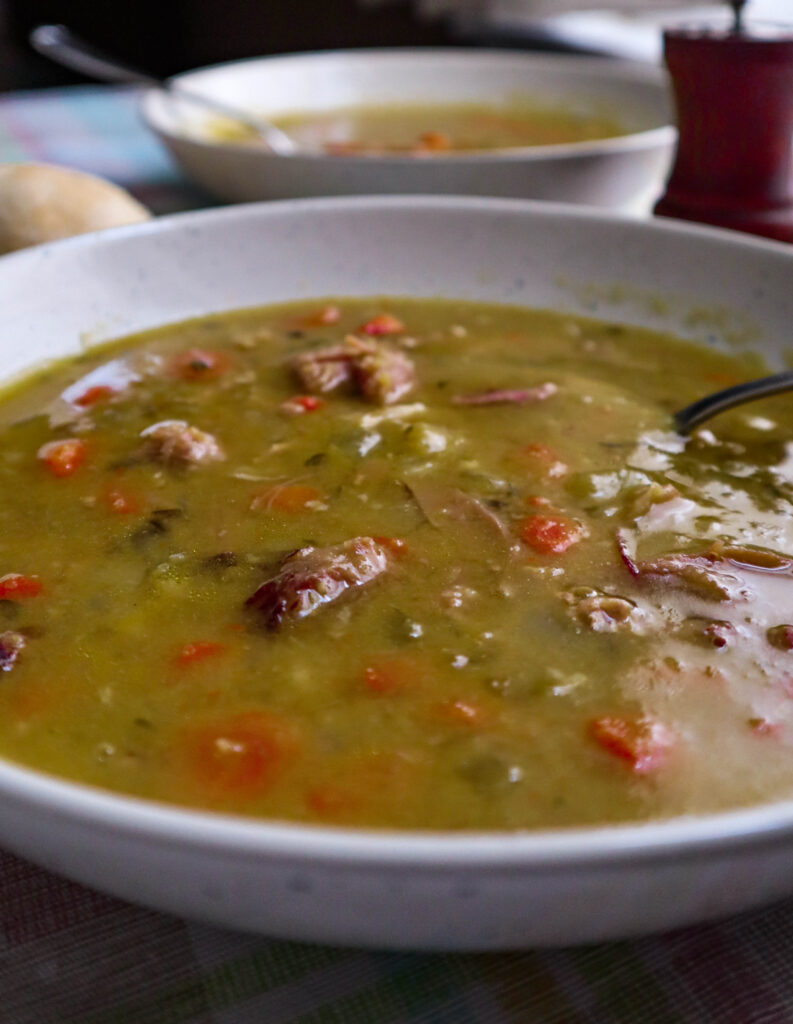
x,y
71,956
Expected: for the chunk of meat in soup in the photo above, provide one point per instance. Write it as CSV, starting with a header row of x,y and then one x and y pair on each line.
x,y
313,577
175,442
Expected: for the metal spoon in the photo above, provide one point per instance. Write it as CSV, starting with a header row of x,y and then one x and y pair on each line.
x,y
61,46
701,410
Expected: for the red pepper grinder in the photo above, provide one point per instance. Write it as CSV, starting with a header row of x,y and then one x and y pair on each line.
x,y
734,96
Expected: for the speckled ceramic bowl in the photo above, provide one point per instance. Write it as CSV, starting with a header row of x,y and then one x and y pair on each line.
x,y
626,171
408,890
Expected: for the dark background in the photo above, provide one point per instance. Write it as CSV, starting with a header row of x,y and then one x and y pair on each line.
x,y
166,36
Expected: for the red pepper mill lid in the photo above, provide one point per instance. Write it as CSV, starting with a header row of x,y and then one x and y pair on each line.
x,y
733,92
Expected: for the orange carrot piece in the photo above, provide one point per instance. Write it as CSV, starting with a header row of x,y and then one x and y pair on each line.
x,y
62,458
550,535
243,753
32,699
383,323
299,404
121,502
290,498
643,743
389,674
394,545
199,650
543,461
16,587
359,783
433,142
331,800
98,393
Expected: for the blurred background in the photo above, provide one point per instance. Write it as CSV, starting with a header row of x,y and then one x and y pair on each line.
x,y
166,36
50,115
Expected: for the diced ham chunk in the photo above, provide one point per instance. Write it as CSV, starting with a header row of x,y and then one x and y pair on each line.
x,y
781,637
507,396
313,577
718,633
381,374
175,442
11,644
385,375
605,613
325,369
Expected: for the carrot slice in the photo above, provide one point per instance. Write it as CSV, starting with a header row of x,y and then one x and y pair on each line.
x,y
98,393
62,458
299,404
389,674
33,699
643,743
550,535
121,502
358,784
331,800
197,651
243,753
542,461
16,587
383,323
291,498
433,142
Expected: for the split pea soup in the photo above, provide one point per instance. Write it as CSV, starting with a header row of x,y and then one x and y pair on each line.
x,y
393,563
433,129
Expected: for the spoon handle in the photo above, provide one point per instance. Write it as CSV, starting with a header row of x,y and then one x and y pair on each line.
x,y
701,410
63,47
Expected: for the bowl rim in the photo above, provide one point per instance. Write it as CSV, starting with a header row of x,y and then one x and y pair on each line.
x,y
687,836
152,101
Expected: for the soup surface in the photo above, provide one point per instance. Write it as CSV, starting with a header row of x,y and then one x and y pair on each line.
x,y
396,563
433,129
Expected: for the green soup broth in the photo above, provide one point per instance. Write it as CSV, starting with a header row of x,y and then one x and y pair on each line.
x,y
571,622
424,129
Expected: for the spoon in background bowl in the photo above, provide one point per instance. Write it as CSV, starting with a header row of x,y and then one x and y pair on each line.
x,y
711,405
60,45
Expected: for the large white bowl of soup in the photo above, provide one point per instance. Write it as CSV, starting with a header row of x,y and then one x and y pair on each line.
x,y
355,586
429,121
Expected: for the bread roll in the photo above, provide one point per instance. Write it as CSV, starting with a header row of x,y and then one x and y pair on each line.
x,y
42,202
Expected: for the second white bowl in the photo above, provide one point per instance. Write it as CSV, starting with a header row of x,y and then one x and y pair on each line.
x,y
625,171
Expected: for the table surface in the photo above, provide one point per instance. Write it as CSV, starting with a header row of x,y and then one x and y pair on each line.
x,y
72,956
